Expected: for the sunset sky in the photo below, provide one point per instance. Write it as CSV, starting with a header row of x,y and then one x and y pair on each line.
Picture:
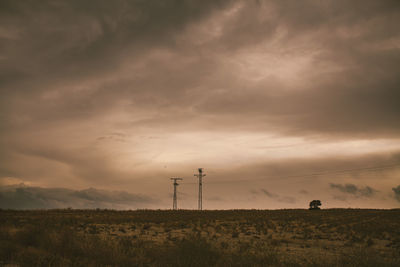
x,y
281,102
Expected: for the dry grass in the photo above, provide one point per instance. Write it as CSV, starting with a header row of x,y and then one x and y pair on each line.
x,y
338,237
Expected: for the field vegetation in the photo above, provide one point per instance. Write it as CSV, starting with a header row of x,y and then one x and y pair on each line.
x,y
335,237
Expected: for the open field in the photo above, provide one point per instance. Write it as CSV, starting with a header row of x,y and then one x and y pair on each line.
x,y
336,237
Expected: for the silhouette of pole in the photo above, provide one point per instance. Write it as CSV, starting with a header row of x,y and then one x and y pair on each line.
x,y
175,200
200,176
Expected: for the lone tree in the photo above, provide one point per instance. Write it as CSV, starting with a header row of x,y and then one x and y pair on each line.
x,y
314,205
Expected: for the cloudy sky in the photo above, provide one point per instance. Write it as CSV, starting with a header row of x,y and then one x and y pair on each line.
x,y
281,102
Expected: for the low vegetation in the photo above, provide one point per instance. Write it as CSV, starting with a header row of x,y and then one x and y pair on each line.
x,y
336,237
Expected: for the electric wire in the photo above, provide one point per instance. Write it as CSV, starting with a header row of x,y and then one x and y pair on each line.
x,y
310,175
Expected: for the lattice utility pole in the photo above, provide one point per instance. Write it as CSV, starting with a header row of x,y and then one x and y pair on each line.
x,y
200,175
175,201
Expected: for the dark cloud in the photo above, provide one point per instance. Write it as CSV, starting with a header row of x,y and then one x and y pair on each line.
x,y
75,38
26,197
353,190
355,42
396,191
268,194
284,199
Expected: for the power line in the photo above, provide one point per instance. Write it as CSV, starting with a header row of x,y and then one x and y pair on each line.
x,y
332,172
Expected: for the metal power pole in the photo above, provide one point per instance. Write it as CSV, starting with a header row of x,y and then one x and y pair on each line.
x,y
200,176
175,201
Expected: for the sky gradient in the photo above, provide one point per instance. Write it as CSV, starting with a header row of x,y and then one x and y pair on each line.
x,y
281,102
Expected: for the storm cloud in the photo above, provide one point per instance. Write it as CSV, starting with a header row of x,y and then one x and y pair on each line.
x,y
26,197
277,197
273,196
354,190
124,95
